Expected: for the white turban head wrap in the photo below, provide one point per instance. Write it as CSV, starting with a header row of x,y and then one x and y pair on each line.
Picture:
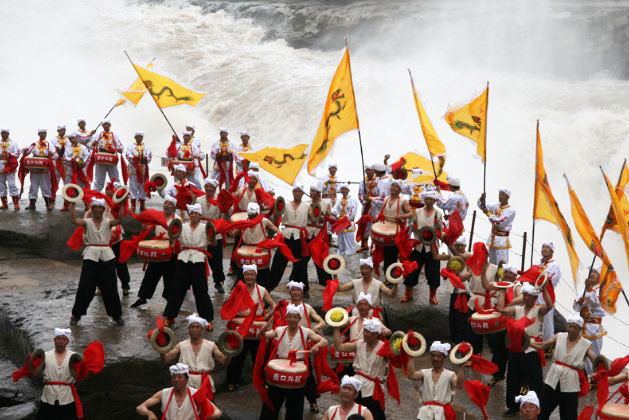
x,y
455,182
372,325
365,297
63,332
507,191
179,167
379,167
179,369
139,133
366,261
249,267
332,165
186,134
575,319
80,119
194,208
549,245
194,318
106,121
210,181
190,126
351,381
97,202
440,347
61,127
244,132
344,185
253,208
170,199
297,284
293,309
597,268
396,182
430,194
530,397
462,240
510,269
318,186
252,174
5,130
42,130
223,130
298,186
529,289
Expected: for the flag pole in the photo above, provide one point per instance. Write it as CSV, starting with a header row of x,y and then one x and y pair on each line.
x,y
154,100
534,195
429,152
485,137
360,141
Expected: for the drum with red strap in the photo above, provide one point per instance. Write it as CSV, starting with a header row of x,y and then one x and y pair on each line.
x,y
188,164
341,356
247,254
284,374
383,233
154,250
254,331
104,158
36,163
488,322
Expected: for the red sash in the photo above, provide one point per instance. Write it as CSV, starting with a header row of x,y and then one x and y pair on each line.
x,y
584,384
448,411
207,255
303,235
75,395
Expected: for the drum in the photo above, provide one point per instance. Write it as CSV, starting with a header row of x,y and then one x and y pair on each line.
x,y
616,411
415,203
103,158
383,233
238,217
189,164
247,254
254,330
488,323
154,250
36,163
280,373
341,356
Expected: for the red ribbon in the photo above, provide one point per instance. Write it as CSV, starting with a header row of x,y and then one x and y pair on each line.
x,y
478,393
277,242
584,384
448,411
478,258
330,289
75,395
319,247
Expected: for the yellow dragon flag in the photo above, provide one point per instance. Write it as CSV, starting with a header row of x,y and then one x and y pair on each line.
x,y
470,120
546,208
283,163
415,161
610,221
435,146
165,91
135,92
621,219
339,113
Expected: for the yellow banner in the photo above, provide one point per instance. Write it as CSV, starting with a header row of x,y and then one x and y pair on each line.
x,y
165,91
135,92
545,207
415,161
619,216
435,146
470,120
610,221
283,163
339,113
609,289
583,224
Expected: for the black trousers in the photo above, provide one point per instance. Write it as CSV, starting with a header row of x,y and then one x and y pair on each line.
x,y
154,272
190,275
523,370
568,403
234,368
122,270
322,276
299,272
431,269
390,255
499,352
216,262
372,405
56,412
100,274
460,329
294,399
310,390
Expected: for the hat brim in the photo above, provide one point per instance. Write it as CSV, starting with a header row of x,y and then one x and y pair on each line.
x,y
336,324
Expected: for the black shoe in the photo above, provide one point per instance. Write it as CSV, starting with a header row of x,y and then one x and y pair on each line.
x,y
306,294
138,303
219,288
74,320
119,321
126,292
314,408
511,412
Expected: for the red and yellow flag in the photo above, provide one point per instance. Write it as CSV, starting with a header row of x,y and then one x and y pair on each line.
x,y
621,219
415,161
339,113
435,146
470,120
283,163
610,221
546,208
165,91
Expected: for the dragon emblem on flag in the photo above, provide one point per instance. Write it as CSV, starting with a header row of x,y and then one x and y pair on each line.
x,y
157,95
338,99
478,123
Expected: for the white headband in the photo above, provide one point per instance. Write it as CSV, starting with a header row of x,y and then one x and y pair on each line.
x,y
223,130
575,319
194,208
106,121
179,167
293,309
210,181
430,194
351,381
42,130
253,208
528,289
254,166
455,182
332,165
252,174
170,199
510,269
298,186
63,332
549,245
79,120
61,127
396,182
364,296
366,261
462,240
440,347
190,126
97,202
530,397
372,325
344,185
139,133
379,167
194,318
296,284
506,191
179,369
186,133
249,267
244,132
317,187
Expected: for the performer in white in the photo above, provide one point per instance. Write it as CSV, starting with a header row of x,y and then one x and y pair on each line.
x,y
106,142
589,306
346,206
529,405
41,178
223,155
9,153
176,402
456,201
501,216
367,284
549,266
437,384
85,137
61,141
330,184
139,156
187,151
350,387
245,146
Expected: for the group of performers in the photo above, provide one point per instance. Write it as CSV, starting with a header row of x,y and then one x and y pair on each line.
x,y
285,338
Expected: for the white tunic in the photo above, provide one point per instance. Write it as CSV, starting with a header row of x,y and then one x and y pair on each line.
x,y
185,412
501,218
567,378
257,295
210,211
287,344
370,364
109,142
374,289
85,138
356,328
334,412
456,201
424,220
55,373
312,229
393,208
295,217
255,234
93,237
189,152
592,308
137,151
440,392
554,271
535,329
200,362
245,196
346,207
44,149
190,238
159,229
477,291
78,152
7,148
305,309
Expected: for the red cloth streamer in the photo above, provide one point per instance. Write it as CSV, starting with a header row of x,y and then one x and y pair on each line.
x,y
340,225
583,380
279,313
93,360
183,195
478,258
258,374
454,229
478,393
234,185
225,200
128,247
482,365
264,198
277,242
331,287
60,168
454,279
223,226
515,332
586,413
11,165
319,247
78,175
409,267
618,365
172,148
238,300
377,256
392,385
602,389
404,243
322,368
89,194
203,398
75,241
448,411
53,179
151,216
443,185
361,226
23,371
124,169
530,275
460,303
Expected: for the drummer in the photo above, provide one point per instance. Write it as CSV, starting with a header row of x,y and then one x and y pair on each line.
x,y
366,193
41,178
367,284
182,190
456,201
291,337
350,387
524,368
563,380
247,194
198,353
105,142
548,265
84,136
223,155
395,209
139,156
501,217
529,405
122,269
188,152
259,295
315,224
211,211
437,384
432,217
156,270
346,206
77,157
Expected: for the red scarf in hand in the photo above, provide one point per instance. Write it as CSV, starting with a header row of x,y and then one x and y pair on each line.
x,y
478,258
277,242
454,229
330,289
319,247
478,393
203,398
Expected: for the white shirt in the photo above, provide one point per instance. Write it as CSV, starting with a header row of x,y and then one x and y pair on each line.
x,y
478,291
135,150
458,201
424,220
60,143
188,152
255,234
245,196
535,329
440,392
77,152
100,141
295,217
84,137
7,148
210,211
55,373
43,150
185,412
370,364
334,412
159,230
192,238
554,271
286,343
374,289
200,362
94,236
567,378
346,207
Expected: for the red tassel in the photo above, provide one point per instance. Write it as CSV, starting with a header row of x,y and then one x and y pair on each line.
x,y
478,393
478,258
89,194
53,179
454,279
151,216
331,287
454,229
238,300
75,241
392,385
203,398
23,371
